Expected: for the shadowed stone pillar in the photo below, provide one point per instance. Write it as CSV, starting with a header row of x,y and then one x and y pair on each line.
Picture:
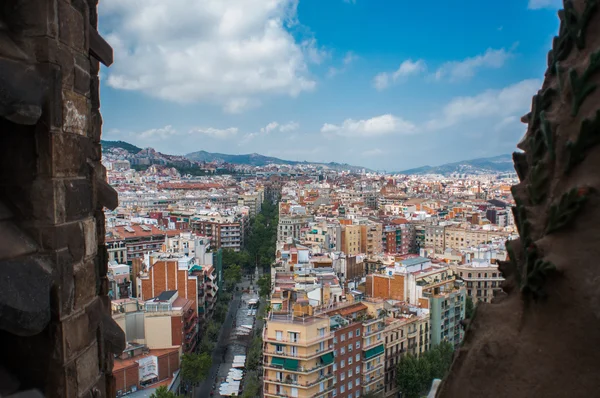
x,y
56,332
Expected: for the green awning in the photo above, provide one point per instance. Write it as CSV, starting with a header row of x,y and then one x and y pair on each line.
x,y
372,352
327,359
291,364
195,268
277,361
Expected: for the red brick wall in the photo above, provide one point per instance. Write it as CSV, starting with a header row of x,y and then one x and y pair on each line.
x,y
163,367
173,362
127,377
346,356
176,330
192,285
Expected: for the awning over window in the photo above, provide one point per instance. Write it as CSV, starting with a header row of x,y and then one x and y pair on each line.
x,y
327,359
373,352
291,364
276,361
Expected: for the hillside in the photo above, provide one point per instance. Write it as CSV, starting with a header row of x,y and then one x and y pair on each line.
x,y
120,144
255,159
496,164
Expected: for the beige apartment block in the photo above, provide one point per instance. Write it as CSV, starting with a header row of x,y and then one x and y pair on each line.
x,y
371,238
351,241
482,280
298,356
461,238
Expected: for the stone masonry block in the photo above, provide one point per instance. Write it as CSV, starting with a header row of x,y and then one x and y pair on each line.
x,y
85,283
78,196
52,106
75,113
39,17
62,154
63,288
70,26
67,65
81,82
46,198
77,335
88,370
89,233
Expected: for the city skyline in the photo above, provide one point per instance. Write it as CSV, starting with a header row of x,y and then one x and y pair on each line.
x,y
310,85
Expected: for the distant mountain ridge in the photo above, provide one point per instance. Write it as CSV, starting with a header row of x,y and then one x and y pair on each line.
x,y
496,164
252,159
258,160
120,144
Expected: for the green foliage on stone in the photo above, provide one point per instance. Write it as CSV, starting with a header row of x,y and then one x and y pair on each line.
x,y
536,278
520,162
581,86
563,212
589,135
547,134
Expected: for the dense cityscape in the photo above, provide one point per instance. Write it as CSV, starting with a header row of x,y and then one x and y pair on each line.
x,y
296,280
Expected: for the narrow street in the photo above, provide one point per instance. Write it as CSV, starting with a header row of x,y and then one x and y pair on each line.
x,y
228,345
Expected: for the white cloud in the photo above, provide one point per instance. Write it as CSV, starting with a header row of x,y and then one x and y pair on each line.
x,y
459,70
493,104
157,134
376,126
284,128
381,81
538,4
291,126
225,52
216,133
406,68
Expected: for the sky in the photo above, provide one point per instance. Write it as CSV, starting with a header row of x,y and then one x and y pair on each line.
x,y
384,84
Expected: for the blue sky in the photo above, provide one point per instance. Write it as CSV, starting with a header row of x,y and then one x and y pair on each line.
x,y
387,84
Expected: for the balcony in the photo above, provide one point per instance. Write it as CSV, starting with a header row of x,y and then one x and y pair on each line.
x,y
288,381
366,370
284,354
368,380
300,342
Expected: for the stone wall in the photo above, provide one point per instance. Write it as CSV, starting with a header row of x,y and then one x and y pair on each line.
x,y
56,332
538,338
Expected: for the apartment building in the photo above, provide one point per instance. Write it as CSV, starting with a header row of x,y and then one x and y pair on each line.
x,y
253,201
398,237
298,356
461,238
348,355
434,238
406,331
351,239
225,232
126,242
447,309
290,225
371,238
482,279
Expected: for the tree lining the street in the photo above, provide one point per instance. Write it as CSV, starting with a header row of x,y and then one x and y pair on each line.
x,y
415,374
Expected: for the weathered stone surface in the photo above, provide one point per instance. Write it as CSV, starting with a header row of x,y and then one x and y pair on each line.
x,y
107,195
35,18
52,108
77,334
47,198
24,296
113,335
21,92
67,66
88,370
100,49
81,83
5,213
89,233
85,284
70,26
75,113
14,242
78,199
